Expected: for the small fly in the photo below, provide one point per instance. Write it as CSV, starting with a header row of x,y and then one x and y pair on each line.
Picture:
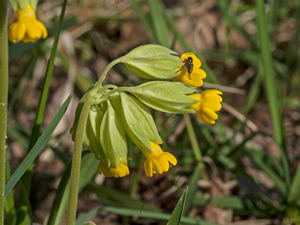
x,y
189,65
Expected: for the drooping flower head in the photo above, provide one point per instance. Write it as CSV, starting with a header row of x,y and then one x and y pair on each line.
x,y
190,72
27,28
157,160
208,103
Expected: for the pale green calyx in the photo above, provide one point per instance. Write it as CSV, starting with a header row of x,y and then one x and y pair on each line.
x,y
91,137
112,137
137,121
23,4
165,96
152,62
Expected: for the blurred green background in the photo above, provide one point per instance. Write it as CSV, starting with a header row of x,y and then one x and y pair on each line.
x,y
249,172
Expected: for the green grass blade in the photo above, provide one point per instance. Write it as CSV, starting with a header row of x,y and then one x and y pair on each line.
x,y
36,148
178,211
159,23
22,216
26,179
193,184
47,80
84,218
295,188
153,215
271,89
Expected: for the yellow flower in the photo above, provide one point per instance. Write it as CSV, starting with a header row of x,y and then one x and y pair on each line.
x,y
158,161
196,75
113,171
208,103
27,28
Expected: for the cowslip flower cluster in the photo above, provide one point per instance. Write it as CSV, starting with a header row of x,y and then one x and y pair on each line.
x,y
115,114
27,28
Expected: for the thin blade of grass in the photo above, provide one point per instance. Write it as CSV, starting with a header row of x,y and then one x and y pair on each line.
x,y
87,216
271,89
153,215
36,148
159,23
26,179
178,211
295,188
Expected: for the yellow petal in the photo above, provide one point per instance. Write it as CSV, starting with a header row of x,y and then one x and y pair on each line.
x,y
157,160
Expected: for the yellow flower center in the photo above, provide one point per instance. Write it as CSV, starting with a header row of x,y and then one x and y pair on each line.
x,y
158,161
121,171
27,28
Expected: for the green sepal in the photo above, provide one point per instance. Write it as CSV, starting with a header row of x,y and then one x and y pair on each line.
x,y
14,4
138,122
23,4
33,3
165,96
91,137
113,137
152,62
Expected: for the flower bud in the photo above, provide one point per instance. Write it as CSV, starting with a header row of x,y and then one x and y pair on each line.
x,y
23,4
165,96
112,137
152,62
137,121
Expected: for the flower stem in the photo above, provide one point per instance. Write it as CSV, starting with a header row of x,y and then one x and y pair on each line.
x,y
193,139
75,170
101,79
198,170
3,99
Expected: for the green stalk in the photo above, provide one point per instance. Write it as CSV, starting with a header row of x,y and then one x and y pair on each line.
x,y
193,183
271,87
193,138
75,169
3,99
76,160
101,79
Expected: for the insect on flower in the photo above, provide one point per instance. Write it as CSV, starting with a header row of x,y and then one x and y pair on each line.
x,y
189,65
